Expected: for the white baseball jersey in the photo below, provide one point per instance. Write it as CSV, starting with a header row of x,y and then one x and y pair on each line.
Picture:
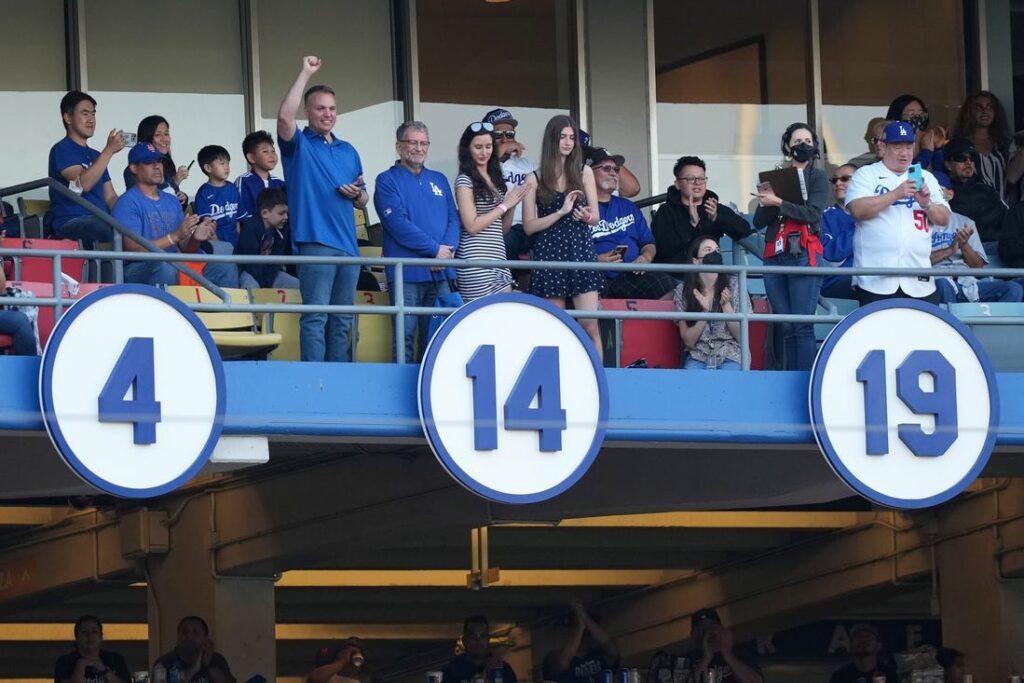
x,y
899,236
515,169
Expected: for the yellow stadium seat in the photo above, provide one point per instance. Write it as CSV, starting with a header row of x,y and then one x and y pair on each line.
x,y
37,207
361,221
285,324
234,332
378,271
374,332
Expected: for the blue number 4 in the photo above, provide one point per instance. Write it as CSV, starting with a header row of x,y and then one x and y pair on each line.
x,y
539,379
132,372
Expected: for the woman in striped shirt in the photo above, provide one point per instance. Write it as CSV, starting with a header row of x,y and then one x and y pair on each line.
x,y
484,204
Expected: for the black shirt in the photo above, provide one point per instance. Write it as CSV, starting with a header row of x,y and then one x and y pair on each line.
x,y
725,674
585,669
461,670
217,661
851,674
65,667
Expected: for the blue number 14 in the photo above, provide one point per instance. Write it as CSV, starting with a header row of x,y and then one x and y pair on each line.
x,y
132,372
539,379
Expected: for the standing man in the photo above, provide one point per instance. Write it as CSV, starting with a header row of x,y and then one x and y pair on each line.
x,y
622,234
418,214
893,220
585,653
325,186
517,170
73,163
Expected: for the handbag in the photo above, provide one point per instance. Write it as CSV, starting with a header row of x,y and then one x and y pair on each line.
x,y
450,300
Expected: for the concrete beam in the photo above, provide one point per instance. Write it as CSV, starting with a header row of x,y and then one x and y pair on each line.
x,y
454,578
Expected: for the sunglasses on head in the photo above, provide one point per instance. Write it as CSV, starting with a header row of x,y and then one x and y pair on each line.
x,y
505,134
478,126
841,179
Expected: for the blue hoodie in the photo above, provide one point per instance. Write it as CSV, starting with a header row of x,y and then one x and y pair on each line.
x,y
418,215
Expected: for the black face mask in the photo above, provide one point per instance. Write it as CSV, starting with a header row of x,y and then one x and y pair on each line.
x,y
713,258
918,121
803,152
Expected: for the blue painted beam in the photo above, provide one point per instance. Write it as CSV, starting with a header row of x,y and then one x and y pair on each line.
x,y
379,400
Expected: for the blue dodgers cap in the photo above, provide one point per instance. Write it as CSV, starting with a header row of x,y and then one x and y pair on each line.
x,y
585,138
144,153
898,131
500,116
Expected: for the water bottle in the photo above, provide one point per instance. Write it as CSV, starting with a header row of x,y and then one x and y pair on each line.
x,y
159,673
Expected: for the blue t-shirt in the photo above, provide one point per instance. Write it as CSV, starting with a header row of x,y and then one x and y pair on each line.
x,y
64,155
151,218
621,223
249,187
315,169
222,205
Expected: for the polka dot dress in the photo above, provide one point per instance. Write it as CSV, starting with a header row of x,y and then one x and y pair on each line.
x,y
566,240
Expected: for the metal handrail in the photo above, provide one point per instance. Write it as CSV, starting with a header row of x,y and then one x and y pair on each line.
x,y
399,310
119,231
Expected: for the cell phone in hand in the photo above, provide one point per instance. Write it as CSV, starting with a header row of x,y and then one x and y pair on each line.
x,y
621,250
914,173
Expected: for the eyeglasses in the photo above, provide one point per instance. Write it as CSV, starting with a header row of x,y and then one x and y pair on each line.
x,y
875,140
505,134
841,179
478,126
417,143
695,179
607,168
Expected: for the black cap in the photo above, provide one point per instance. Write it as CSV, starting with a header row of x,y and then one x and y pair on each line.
x,y
596,155
704,616
957,147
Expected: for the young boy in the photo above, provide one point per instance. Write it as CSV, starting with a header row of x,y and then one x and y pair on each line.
x,y
217,198
258,149
267,234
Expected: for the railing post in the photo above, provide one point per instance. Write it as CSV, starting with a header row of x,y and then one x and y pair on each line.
x,y
745,320
118,262
399,295
58,288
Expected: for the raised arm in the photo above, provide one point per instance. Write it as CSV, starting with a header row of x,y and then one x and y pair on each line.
x,y
89,177
290,103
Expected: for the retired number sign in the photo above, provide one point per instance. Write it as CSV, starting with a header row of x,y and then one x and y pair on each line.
x,y
513,398
132,391
904,403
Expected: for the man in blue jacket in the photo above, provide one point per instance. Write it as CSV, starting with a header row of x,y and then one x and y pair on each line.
x,y
418,214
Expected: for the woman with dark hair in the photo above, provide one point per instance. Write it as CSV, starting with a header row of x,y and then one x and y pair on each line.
x,y
484,204
559,210
982,120
912,109
791,239
712,345
88,661
156,130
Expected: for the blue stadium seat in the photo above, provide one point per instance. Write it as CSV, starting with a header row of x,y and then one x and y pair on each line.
x,y
1001,342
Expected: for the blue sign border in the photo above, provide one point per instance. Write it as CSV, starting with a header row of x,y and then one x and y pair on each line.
x,y
821,432
427,415
46,391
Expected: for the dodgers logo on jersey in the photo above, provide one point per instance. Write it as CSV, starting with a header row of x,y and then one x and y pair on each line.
x,y
436,190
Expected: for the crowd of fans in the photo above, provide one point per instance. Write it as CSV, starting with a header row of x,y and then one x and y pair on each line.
x,y
918,197
584,652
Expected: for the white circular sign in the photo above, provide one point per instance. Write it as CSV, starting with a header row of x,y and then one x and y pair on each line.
x,y
513,398
904,403
132,391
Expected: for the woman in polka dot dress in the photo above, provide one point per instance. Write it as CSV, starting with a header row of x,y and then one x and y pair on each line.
x,y
559,210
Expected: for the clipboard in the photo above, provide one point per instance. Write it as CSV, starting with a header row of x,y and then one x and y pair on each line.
x,y
785,183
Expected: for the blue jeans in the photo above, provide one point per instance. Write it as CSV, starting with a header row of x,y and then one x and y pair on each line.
x,y
162,273
988,290
417,294
796,295
89,229
324,337
16,325
694,364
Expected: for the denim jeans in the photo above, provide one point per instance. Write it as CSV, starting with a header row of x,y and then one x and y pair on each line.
x,y
16,325
417,294
796,295
694,364
162,273
988,290
324,337
89,229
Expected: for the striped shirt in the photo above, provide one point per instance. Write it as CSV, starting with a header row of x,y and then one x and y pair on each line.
x,y
488,244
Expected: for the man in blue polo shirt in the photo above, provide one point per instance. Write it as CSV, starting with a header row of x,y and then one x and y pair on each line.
x,y
73,163
325,185
418,214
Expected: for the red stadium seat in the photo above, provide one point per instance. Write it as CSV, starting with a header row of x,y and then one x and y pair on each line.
x,y
657,341
40,268
5,343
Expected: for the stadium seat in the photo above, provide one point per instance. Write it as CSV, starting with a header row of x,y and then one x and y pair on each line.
x,y
285,324
47,318
656,341
378,271
234,333
5,343
374,332
1001,342
34,207
40,268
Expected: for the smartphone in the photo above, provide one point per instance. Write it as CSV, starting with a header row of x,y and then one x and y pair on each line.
x,y
621,250
914,173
